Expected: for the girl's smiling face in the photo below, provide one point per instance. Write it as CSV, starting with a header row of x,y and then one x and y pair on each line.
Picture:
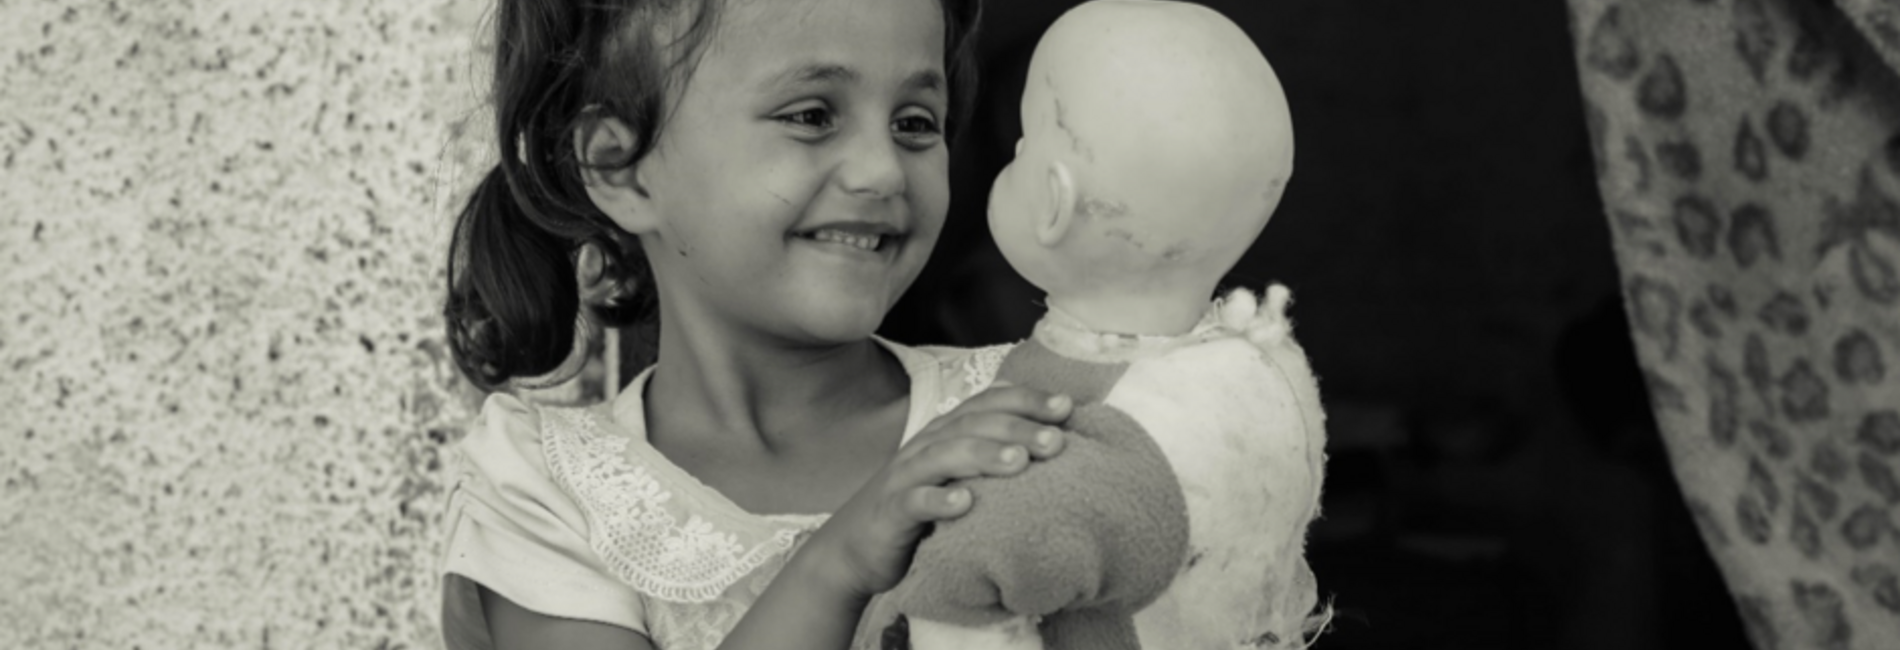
x,y
801,178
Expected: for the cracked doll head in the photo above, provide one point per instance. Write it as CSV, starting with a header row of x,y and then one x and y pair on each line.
x,y
1156,145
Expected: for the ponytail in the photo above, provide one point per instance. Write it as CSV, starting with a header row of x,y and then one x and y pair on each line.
x,y
512,296
513,301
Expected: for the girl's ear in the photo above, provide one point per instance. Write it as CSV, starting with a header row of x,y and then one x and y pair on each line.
x,y
1053,225
602,143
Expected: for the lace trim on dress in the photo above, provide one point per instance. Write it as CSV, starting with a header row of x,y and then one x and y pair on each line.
x,y
671,556
704,625
977,370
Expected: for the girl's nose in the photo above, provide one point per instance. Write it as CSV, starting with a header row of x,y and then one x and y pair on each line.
x,y
871,168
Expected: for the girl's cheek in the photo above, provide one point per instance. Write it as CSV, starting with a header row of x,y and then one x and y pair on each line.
x,y
791,175
929,168
932,194
786,188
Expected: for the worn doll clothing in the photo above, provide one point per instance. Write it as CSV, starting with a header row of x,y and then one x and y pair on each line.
x,y
1250,450
568,512
1233,409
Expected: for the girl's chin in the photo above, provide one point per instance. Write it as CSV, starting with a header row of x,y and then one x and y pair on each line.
x,y
839,330
835,307
843,321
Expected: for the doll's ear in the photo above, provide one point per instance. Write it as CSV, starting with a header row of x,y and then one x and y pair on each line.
x,y
604,145
1053,226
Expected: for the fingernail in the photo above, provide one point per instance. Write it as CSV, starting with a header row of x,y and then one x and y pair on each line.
x,y
958,497
1059,402
1010,455
1047,438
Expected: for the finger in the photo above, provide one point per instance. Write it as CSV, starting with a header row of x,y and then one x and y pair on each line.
x,y
948,459
931,503
1024,401
1040,439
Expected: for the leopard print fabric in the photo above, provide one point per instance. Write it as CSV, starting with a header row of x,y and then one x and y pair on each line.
x,y
1748,154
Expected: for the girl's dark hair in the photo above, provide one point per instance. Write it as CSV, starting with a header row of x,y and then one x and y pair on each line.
x,y
512,297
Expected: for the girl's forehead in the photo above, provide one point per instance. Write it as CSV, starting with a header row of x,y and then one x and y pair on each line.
x,y
763,35
819,10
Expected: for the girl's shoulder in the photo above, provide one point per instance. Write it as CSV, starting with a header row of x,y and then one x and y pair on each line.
x,y
956,372
648,524
513,527
515,441
514,438
503,444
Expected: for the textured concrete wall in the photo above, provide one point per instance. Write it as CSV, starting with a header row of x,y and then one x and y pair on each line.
x,y
221,226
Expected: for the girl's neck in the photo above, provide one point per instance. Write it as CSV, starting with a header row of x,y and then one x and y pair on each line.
x,y
716,380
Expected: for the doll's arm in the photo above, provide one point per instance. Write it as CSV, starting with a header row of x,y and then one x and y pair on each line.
x,y
1101,526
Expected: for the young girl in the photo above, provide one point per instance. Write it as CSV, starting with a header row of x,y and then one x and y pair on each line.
x,y
771,175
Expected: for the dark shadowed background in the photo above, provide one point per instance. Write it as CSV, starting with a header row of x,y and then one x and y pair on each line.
x,y
1495,477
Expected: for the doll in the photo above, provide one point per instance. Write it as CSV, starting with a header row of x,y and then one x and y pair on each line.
x,y
1156,144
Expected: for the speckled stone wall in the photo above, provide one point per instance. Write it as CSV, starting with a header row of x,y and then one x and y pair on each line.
x,y
221,230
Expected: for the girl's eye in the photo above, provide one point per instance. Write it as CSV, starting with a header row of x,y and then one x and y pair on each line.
x,y
810,118
918,130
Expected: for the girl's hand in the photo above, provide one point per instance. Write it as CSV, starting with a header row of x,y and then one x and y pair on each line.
x,y
866,546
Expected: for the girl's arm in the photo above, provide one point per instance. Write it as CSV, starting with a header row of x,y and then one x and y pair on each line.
x,y
803,609
798,612
866,546
515,628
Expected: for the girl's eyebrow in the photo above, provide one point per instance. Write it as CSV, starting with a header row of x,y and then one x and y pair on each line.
x,y
815,73
831,73
924,80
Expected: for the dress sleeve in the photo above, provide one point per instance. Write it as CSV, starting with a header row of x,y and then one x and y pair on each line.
x,y
513,530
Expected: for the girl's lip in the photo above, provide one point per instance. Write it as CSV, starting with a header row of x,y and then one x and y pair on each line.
x,y
854,228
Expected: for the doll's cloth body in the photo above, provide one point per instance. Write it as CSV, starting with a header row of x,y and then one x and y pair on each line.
x,y
1086,538
1232,411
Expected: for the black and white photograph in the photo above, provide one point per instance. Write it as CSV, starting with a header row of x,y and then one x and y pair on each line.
x,y
950,324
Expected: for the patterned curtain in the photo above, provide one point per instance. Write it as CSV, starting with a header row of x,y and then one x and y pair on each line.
x,y
1748,153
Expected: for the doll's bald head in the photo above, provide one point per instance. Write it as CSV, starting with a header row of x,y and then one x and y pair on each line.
x,y
1156,144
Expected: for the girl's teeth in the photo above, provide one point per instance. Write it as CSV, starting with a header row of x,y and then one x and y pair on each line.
x,y
866,242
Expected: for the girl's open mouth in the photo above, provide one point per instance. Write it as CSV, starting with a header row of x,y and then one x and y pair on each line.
x,y
866,242
854,236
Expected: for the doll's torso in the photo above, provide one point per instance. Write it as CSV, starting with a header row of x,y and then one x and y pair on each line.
x,y
1242,427
1225,420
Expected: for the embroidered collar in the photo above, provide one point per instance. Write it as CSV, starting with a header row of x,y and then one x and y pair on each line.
x,y
657,527
677,545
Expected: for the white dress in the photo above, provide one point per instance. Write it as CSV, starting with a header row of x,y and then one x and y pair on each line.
x,y
568,512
